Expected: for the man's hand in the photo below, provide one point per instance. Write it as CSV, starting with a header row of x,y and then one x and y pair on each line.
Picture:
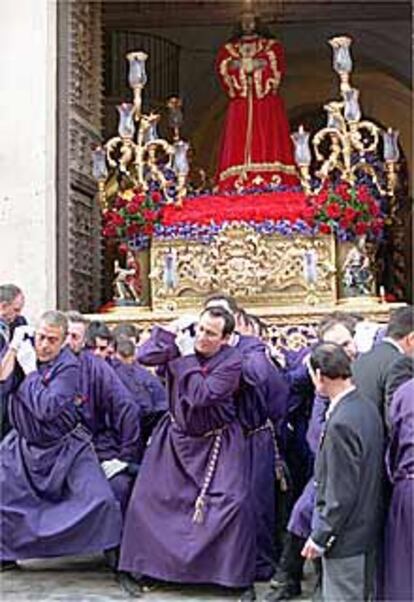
x,y
185,343
310,550
19,335
182,323
26,356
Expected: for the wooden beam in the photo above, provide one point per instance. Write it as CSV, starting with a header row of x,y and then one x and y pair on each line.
x,y
148,15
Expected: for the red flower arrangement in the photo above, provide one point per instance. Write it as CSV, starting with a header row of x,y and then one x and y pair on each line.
x,y
348,211
352,210
132,213
248,207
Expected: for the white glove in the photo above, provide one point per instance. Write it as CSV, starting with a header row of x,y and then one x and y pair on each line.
x,y
113,467
19,335
365,332
183,322
185,342
26,356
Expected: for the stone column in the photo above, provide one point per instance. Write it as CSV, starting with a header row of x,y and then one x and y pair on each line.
x,y
28,150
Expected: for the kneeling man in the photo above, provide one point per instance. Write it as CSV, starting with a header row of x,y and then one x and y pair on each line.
x,y
54,498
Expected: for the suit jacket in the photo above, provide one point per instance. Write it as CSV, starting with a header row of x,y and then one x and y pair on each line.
x,y
348,479
372,373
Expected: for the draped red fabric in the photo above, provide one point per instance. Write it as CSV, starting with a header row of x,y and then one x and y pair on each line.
x,y
256,148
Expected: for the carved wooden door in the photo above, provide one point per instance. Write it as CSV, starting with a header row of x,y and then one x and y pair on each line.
x,y
79,79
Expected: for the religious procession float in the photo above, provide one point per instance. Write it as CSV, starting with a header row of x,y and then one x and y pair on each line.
x,y
291,223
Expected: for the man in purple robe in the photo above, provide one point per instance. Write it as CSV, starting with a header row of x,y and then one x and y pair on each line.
x,y
109,411
11,305
189,519
261,407
54,498
145,388
396,580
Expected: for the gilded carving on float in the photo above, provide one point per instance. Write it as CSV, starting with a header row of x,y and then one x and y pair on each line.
x,y
257,270
288,269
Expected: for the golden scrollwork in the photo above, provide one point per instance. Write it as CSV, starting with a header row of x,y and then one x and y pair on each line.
x,y
333,146
257,269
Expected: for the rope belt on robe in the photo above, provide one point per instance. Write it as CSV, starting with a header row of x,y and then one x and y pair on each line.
x,y
404,477
198,516
279,469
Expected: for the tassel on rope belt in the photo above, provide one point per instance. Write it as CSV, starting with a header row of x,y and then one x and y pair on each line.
x,y
199,511
279,468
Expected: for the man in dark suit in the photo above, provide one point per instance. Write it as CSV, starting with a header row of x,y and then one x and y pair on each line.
x,y
348,475
373,371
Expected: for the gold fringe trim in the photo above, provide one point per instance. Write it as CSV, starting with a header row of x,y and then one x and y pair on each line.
x,y
236,170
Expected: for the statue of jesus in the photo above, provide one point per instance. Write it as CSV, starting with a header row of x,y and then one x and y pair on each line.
x,y
256,148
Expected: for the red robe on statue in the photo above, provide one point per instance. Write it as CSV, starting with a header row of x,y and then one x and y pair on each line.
x,y
256,148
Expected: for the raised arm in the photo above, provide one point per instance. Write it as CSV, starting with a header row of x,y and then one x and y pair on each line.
x,y
44,396
159,349
207,387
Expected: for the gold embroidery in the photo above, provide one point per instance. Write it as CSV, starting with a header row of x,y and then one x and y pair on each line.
x,y
272,82
236,170
228,79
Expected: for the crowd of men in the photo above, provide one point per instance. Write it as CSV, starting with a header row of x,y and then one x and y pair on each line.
x,y
196,456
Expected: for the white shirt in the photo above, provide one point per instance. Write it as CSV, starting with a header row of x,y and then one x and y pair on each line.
x,y
335,400
394,343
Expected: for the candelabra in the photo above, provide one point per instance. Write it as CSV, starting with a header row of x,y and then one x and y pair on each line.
x,y
139,154
348,146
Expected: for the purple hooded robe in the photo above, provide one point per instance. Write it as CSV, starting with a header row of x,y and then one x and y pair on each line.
x,y
190,514
113,417
55,499
147,391
398,575
300,520
261,407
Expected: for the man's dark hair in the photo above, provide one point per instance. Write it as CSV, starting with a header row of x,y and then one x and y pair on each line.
x,y
331,360
126,329
125,347
260,325
401,323
97,329
220,312
261,29
9,292
337,317
231,301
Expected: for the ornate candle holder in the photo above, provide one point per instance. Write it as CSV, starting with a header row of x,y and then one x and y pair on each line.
x,y
138,152
343,148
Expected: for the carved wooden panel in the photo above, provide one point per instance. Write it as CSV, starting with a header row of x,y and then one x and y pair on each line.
x,y
80,86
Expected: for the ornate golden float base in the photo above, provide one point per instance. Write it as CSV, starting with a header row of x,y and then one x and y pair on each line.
x,y
267,275
257,269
